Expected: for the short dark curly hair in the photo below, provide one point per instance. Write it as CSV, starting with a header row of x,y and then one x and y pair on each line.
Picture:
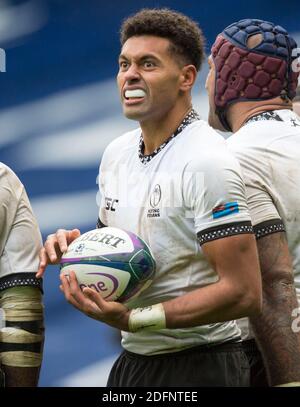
x,y
185,35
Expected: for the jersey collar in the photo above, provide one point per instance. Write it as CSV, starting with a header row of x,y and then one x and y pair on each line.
x,y
189,118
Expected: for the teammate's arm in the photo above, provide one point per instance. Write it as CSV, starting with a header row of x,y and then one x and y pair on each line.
x,y
22,337
280,346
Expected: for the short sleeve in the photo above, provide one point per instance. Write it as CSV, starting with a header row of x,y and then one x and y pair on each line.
x,y
102,221
264,214
20,237
214,192
258,183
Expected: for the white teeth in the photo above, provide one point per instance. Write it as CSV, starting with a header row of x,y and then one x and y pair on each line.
x,y
135,93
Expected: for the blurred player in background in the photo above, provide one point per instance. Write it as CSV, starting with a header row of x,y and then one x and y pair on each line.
x,y
296,102
251,85
22,331
182,334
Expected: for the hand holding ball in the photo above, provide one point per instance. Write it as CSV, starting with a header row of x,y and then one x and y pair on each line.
x,y
116,263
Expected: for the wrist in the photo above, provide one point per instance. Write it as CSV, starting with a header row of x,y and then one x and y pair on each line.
x,y
148,318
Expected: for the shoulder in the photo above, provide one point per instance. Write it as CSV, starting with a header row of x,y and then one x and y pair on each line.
x,y
7,175
204,135
259,135
121,145
127,140
5,171
9,182
210,152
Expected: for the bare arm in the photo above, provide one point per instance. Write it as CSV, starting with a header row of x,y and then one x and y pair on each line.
x,y
21,376
237,293
280,346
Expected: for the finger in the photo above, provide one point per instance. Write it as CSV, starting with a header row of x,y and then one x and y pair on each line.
x,y
87,305
72,300
95,297
50,248
74,290
65,288
61,236
77,299
43,263
73,235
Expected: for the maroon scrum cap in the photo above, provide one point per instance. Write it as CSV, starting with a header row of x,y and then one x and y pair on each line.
x,y
258,73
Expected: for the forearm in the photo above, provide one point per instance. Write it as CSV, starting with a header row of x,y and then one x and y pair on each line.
x,y
216,302
236,294
21,376
22,337
280,346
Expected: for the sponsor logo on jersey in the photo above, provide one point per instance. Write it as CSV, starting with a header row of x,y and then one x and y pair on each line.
x,y
225,209
155,199
110,204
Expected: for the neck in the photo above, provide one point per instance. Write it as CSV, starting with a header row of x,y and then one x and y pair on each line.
x,y
156,132
240,112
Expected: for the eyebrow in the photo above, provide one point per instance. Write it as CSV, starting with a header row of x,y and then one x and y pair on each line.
x,y
142,58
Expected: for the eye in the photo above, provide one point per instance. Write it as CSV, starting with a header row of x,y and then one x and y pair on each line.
x,y
149,64
123,65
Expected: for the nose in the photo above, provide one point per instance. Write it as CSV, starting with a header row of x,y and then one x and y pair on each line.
x,y
132,73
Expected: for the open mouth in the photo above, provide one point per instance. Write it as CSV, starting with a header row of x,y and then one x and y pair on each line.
x,y
134,94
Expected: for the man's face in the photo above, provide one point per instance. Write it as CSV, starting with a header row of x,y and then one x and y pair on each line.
x,y
148,79
213,119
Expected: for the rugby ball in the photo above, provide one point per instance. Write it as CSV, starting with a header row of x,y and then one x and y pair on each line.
x,y
116,263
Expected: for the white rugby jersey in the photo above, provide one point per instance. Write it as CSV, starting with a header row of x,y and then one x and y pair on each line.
x,y
192,187
268,149
20,238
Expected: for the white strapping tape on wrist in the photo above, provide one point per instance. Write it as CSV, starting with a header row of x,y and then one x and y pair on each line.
x,y
149,318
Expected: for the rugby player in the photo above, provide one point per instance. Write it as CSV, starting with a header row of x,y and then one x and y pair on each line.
x,y
251,85
22,330
184,195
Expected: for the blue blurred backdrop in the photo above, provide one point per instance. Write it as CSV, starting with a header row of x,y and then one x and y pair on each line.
x,y
59,108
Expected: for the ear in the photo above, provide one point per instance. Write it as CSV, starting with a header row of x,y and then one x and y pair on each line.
x,y
188,77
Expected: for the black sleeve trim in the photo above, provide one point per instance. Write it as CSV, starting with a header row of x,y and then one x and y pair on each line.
x,y
100,224
20,279
268,227
221,231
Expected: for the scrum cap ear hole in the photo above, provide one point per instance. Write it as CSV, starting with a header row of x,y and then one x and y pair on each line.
x,y
254,40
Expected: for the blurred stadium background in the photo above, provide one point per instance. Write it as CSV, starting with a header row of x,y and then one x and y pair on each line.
x,y
59,108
